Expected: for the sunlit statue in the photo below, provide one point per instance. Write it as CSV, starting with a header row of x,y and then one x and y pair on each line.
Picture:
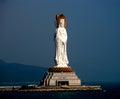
x,y
61,41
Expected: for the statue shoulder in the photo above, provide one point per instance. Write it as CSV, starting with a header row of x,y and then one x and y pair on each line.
x,y
58,29
61,28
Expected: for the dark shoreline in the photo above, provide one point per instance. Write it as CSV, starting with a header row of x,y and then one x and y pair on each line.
x,y
53,88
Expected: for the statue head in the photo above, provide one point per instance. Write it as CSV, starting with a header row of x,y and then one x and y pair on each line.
x,y
61,20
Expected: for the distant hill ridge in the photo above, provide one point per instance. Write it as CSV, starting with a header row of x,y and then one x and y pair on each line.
x,y
15,72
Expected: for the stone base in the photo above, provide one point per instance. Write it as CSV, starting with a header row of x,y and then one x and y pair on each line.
x,y
57,76
60,69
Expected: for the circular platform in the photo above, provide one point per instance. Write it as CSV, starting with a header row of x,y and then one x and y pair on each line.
x,y
60,69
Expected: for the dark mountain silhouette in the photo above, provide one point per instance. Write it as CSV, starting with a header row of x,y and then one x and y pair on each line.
x,y
15,72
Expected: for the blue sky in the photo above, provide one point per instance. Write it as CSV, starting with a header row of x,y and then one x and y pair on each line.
x,y
27,28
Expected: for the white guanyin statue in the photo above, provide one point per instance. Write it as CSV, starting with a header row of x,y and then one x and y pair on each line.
x,y
61,42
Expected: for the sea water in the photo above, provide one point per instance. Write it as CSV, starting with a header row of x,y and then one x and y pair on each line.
x,y
110,91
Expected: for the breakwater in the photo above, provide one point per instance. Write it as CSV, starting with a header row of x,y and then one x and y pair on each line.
x,y
53,88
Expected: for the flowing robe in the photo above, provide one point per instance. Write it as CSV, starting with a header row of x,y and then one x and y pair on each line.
x,y
61,52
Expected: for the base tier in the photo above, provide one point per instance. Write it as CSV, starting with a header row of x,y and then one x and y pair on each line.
x,y
60,78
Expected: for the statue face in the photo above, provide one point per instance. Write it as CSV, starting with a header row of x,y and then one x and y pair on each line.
x,y
62,23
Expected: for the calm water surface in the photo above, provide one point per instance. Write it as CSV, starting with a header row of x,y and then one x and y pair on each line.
x,y
111,91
